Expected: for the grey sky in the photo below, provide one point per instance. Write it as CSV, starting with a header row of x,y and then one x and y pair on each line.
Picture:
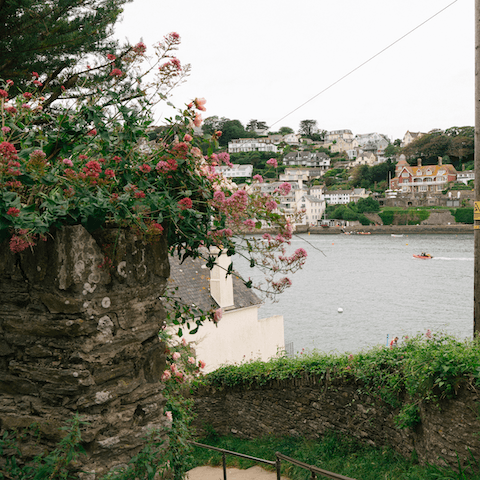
x,y
262,59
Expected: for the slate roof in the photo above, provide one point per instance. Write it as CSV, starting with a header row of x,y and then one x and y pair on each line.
x,y
192,278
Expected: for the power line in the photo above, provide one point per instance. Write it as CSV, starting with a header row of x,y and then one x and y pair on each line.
x,y
364,63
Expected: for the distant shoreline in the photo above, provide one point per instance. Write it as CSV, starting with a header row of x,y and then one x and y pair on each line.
x,y
389,229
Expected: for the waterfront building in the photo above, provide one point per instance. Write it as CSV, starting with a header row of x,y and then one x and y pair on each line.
x,y
314,208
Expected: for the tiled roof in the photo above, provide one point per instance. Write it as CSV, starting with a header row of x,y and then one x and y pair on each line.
x,y
192,278
433,168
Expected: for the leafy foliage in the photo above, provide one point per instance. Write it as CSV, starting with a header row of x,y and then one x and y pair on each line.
x,y
464,215
57,40
421,369
455,142
54,465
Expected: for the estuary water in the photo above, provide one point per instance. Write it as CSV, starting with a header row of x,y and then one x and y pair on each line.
x,y
382,289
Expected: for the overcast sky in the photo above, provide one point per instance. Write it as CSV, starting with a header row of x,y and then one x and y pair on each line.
x,y
262,59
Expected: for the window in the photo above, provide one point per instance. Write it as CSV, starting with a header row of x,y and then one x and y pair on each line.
x,y
405,174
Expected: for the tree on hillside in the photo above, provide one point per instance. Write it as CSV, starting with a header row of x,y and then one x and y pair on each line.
x,y
391,150
307,127
232,129
457,143
253,125
367,205
50,38
213,124
428,148
285,130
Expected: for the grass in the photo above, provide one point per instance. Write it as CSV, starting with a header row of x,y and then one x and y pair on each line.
x,y
333,452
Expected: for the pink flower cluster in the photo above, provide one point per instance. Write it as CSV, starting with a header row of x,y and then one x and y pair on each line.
x,y
273,162
185,203
217,315
284,188
21,241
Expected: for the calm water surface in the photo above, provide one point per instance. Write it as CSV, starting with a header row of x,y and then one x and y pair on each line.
x,y
381,288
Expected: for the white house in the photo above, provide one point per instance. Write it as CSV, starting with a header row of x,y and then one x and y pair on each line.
x,y
314,208
235,170
240,335
337,197
409,137
465,176
308,159
252,145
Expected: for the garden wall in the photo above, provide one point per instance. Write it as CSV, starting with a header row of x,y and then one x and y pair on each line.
x,y
310,407
77,335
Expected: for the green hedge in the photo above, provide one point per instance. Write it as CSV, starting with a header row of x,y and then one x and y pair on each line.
x,y
464,215
387,217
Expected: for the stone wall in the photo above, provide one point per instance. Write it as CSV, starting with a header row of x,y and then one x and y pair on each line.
x,y
79,336
310,407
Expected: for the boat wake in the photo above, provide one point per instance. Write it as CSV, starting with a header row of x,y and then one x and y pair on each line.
x,y
461,259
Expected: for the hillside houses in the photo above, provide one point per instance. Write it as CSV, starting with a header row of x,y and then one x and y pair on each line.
x,y
261,144
235,171
409,137
308,159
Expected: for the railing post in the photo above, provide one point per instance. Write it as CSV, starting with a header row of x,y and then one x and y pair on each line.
x,y
224,461
277,466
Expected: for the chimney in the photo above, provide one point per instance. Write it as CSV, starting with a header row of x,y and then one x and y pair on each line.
x,y
440,161
419,162
221,284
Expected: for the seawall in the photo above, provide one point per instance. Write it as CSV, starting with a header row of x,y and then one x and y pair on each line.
x,y
391,229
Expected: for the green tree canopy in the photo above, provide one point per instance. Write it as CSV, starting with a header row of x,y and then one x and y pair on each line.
x,y
455,142
232,129
367,205
51,37
254,125
307,127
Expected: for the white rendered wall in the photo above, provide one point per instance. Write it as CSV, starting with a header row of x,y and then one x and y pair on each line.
x,y
238,337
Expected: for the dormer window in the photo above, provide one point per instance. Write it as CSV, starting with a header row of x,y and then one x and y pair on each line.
x,y
441,172
419,172
429,172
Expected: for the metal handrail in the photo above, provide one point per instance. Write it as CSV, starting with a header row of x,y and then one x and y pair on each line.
x,y
313,470
224,452
277,463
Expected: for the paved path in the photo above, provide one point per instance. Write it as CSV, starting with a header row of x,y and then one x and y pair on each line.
x,y
216,473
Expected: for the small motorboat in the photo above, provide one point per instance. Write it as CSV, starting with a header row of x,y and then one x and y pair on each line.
x,y
424,256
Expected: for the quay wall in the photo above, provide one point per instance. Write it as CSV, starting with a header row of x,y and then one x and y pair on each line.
x,y
391,229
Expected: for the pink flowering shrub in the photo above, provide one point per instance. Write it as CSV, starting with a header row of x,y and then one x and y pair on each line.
x,y
98,161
